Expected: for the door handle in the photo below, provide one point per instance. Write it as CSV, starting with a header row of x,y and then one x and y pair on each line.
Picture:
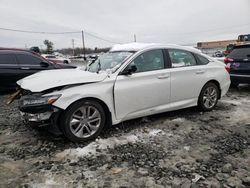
x,y
163,76
25,68
200,72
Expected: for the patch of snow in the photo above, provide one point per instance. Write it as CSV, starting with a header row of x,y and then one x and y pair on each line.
x,y
180,120
134,46
99,144
231,102
47,184
155,132
187,148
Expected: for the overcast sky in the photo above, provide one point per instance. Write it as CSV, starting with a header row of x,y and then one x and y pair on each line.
x,y
164,21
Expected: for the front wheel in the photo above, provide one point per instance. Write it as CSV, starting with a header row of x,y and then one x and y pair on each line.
x,y
208,97
83,121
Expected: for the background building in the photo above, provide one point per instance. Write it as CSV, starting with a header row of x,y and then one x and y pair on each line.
x,y
211,47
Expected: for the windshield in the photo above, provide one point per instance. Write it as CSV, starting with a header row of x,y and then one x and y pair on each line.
x,y
109,61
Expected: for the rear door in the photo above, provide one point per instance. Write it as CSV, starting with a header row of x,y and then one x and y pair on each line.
x,y
9,69
239,59
188,76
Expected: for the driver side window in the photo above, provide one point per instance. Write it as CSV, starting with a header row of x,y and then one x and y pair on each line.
x,y
148,61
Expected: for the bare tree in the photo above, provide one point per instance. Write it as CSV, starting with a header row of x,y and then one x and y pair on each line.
x,y
49,46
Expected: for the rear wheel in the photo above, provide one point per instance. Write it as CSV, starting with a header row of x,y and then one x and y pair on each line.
x,y
83,121
208,97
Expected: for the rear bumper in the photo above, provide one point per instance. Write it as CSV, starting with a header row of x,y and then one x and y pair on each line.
x,y
237,78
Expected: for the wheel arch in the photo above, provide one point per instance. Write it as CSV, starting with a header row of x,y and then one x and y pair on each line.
x,y
216,83
108,122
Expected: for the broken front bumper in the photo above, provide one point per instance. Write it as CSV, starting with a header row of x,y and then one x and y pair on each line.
x,y
40,115
43,118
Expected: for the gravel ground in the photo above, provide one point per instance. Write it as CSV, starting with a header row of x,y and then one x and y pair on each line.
x,y
185,148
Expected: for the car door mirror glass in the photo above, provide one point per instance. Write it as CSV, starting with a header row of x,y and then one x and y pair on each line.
x,y
129,70
44,64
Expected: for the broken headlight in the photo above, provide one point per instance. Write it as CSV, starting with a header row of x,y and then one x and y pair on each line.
x,y
40,100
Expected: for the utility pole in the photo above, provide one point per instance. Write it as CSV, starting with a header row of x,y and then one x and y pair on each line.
x,y
73,45
83,46
134,37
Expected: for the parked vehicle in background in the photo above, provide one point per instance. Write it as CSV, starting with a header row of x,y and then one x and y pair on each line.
x,y
16,64
56,59
218,54
242,39
130,81
35,49
238,61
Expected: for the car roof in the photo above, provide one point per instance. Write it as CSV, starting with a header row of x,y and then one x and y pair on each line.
x,y
141,46
242,46
17,50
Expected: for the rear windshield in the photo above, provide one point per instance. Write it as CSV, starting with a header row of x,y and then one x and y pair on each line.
x,y
240,53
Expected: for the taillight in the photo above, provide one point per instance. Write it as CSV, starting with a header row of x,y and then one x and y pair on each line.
x,y
227,67
228,60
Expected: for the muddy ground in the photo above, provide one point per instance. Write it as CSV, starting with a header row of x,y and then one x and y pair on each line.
x,y
185,148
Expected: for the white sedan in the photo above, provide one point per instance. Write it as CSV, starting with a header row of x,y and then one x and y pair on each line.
x,y
56,59
130,81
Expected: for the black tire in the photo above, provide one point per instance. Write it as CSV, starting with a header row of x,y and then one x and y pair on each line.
x,y
67,117
201,104
66,62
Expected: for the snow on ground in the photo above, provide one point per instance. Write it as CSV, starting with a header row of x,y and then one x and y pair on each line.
x,y
180,120
100,145
185,148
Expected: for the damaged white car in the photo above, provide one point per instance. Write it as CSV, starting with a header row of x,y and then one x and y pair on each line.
x,y
130,81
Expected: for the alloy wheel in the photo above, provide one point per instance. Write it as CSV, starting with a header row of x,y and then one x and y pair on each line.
x,y
85,121
210,97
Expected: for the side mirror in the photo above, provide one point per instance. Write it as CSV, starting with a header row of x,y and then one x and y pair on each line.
x,y
44,64
129,70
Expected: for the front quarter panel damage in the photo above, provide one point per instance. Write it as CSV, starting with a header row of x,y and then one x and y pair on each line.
x,y
102,91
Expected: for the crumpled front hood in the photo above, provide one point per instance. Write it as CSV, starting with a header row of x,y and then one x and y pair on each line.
x,y
61,77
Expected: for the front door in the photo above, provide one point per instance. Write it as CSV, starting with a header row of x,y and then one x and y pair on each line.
x,y
145,91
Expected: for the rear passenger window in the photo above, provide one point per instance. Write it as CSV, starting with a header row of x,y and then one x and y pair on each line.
x,y
25,59
7,59
181,58
202,60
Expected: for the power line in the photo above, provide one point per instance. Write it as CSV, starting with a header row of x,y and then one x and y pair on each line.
x,y
59,33
38,32
101,38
